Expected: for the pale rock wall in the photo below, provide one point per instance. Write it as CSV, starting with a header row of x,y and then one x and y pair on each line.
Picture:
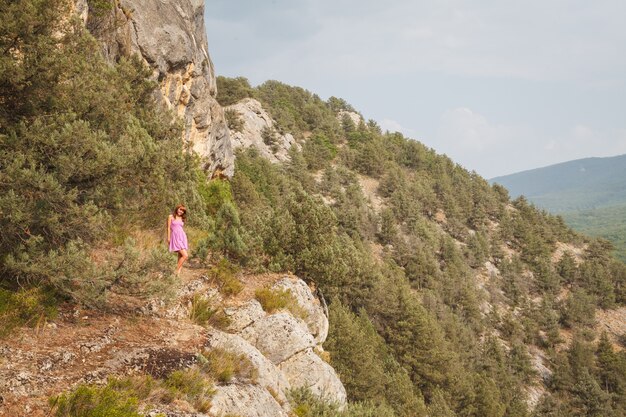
x,y
354,116
284,350
255,120
170,37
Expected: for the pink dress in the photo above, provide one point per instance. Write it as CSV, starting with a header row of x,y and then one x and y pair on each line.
x,y
178,238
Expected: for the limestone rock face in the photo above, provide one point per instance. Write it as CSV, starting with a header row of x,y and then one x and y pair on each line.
x,y
279,336
316,316
245,401
170,37
268,375
244,316
283,351
255,121
307,369
354,116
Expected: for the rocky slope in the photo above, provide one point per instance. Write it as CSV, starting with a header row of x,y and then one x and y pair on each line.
x,y
258,130
171,38
154,338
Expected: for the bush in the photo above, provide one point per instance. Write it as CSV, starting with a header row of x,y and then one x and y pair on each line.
x,y
92,401
224,274
192,386
85,147
306,404
225,237
201,310
274,299
224,365
232,90
30,307
234,120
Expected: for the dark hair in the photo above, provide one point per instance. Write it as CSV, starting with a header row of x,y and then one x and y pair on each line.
x,y
181,206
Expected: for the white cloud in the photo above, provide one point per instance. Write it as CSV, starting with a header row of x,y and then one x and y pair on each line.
x,y
395,126
535,39
552,71
470,139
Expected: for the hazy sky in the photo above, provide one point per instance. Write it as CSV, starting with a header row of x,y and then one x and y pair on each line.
x,y
499,86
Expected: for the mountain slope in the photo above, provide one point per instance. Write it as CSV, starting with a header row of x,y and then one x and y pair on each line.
x,y
590,195
444,298
575,185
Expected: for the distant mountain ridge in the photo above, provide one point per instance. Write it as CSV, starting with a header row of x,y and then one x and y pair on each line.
x,y
570,186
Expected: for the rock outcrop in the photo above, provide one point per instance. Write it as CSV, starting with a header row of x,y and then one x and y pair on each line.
x,y
284,350
353,116
170,37
258,130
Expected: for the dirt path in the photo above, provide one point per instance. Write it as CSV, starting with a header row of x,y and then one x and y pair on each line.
x,y
87,346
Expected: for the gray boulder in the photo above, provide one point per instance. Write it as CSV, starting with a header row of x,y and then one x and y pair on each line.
x,y
315,317
268,375
307,369
243,316
245,401
279,336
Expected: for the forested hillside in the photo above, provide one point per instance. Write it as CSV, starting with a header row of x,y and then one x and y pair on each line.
x,y
574,185
590,195
445,297
444,294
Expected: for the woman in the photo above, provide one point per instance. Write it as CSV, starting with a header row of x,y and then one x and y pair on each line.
x,y
176,237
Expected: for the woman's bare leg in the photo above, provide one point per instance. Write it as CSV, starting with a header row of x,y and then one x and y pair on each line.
x,y
182,257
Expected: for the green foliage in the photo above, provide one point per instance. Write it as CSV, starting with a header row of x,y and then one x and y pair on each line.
x,y
83,148
192,386
225,237
92,401
201,310
270,138
318,151
224,365
29,307
224,274
234,120
71,272
232,90
306,404
296,110
128,397
579,309
276,299
367,369
606,222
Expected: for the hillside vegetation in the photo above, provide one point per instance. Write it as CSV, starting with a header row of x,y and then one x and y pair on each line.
x,y
440,294
443,295
589,193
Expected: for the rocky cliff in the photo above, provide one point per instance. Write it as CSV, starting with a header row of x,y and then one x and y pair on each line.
x,y
258,130
170,37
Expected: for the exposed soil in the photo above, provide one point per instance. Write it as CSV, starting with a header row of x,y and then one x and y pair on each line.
x,y
87,346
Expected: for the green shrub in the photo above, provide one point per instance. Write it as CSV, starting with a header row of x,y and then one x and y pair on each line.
x,y
201,310
225,238
224,275
232,90
224,365
306,404
86,149
234,120
30,307
192,386
275,299
92,401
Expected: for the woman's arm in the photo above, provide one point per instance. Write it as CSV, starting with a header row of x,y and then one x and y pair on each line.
x,y
169,228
